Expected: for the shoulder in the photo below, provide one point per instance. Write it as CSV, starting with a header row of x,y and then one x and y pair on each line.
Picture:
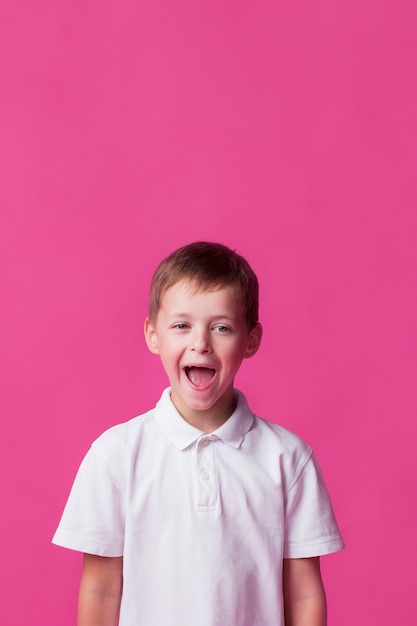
x,y
282,447
269,442
124,439
280,437
267,432
113,454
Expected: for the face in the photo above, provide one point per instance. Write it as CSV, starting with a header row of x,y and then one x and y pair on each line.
x,y
202,338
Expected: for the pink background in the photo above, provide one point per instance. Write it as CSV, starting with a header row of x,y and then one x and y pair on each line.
x,y
286,130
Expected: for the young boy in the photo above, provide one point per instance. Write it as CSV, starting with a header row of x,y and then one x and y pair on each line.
x,y
200,513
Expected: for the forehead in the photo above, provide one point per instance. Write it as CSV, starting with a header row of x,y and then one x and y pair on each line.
x,y
186,293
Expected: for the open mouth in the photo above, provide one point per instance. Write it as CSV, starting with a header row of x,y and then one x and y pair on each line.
x,y
199,376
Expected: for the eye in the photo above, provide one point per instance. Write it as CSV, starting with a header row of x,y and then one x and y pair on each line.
x,y
220,328
180,326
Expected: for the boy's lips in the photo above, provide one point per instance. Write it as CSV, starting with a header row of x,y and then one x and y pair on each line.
x,y
199,376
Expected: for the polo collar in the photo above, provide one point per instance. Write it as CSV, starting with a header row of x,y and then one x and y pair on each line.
x,y
182,434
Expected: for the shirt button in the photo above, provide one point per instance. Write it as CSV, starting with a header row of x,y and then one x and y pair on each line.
x,y
205,475
205,442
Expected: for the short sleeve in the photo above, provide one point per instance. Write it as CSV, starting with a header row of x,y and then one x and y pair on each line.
x,y
93,518
311,527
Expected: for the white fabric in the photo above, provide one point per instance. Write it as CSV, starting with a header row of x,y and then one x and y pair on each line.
x,y
202,521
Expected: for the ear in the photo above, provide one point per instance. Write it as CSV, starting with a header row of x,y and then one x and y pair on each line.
x,y
254,341
150,336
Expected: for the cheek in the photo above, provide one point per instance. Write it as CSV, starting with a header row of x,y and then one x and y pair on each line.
x,y
169,352
235,357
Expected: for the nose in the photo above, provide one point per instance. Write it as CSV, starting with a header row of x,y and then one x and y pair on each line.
x,y
200,341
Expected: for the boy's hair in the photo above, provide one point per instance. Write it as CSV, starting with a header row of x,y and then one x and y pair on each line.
x,y
207,266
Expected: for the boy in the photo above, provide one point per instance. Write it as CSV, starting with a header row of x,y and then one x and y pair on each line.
x,y
200,513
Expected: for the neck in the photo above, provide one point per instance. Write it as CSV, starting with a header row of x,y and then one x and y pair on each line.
x,y
208,420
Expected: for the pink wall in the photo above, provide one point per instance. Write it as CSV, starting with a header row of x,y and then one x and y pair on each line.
x,y
284,129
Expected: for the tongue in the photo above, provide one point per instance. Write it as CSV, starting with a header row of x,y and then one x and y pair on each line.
x,y
200,376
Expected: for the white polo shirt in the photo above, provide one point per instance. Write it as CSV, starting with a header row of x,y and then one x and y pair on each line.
x,y
202,521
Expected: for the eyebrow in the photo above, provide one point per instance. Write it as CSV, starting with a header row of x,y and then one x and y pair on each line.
x,y
221,316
